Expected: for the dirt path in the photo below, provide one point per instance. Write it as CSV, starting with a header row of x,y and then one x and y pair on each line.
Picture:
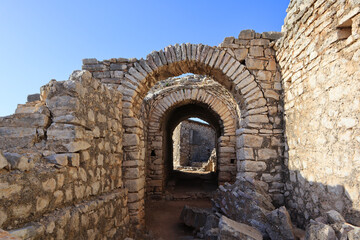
x,y
163,218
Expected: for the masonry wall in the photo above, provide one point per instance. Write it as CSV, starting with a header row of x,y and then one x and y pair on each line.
x,y
319,59
196,142
62,176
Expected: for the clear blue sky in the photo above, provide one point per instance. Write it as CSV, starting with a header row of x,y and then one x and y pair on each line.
x,y
44,40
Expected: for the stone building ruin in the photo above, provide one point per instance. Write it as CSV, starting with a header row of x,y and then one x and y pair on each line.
x,y
80,160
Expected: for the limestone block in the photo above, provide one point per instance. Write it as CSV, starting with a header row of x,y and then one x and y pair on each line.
x,y
267,153
247,140
259,42
49,185
245,153
118,66
87,61
281,227
32,231
41,203
232,230
62,105
317,230
19,162
77,146
59,159
257,119
256,51
271,35
254,63
253,166
22,210
134,185
247,34
3,162
130,140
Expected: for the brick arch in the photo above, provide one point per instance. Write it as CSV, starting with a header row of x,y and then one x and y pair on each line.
x,y
199,59
225,109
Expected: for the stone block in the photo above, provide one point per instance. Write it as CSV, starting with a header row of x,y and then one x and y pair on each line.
x,y
33,97
253,166
271,35
281,227
256,51
316,230
247,34
130,140
134,185
232,230
241,53
87,61
255,64
248,140
19,162
267,153
59,159
3,161
77,146
245,153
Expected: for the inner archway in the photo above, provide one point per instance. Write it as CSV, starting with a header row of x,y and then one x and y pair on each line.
x,y
202,98
194,146
177,115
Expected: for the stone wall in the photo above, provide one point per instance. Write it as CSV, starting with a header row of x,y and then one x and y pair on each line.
x,y
319,59
196,142
62,176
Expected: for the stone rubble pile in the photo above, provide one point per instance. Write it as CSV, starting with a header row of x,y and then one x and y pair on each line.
x,y
243,210
331,226
240,209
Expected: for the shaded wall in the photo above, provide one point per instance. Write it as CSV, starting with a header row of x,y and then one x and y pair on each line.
x,y
319,57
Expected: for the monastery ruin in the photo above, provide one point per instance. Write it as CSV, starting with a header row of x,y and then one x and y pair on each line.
x,y
81,159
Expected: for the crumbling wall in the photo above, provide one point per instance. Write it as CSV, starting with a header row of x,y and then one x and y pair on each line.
x,y
72,141
319,59
196,142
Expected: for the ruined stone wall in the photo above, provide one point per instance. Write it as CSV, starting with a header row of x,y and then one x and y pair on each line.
x,y
319,59
66,181
195,143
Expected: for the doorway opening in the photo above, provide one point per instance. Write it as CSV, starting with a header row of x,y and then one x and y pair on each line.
x,y
194,146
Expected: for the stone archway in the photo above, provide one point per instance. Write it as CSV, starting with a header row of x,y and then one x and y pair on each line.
x,y
215,99
258,147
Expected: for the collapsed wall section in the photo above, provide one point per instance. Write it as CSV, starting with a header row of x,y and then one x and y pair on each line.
x,y
73,188
319,57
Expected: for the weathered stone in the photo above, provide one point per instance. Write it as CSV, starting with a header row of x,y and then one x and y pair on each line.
x,y
33,97
194,217
334,217
19,162
317,230
272,35
281,226
247,34
59,159
3,161
232,230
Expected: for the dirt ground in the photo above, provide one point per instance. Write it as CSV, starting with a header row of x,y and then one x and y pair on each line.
x,y
163,216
